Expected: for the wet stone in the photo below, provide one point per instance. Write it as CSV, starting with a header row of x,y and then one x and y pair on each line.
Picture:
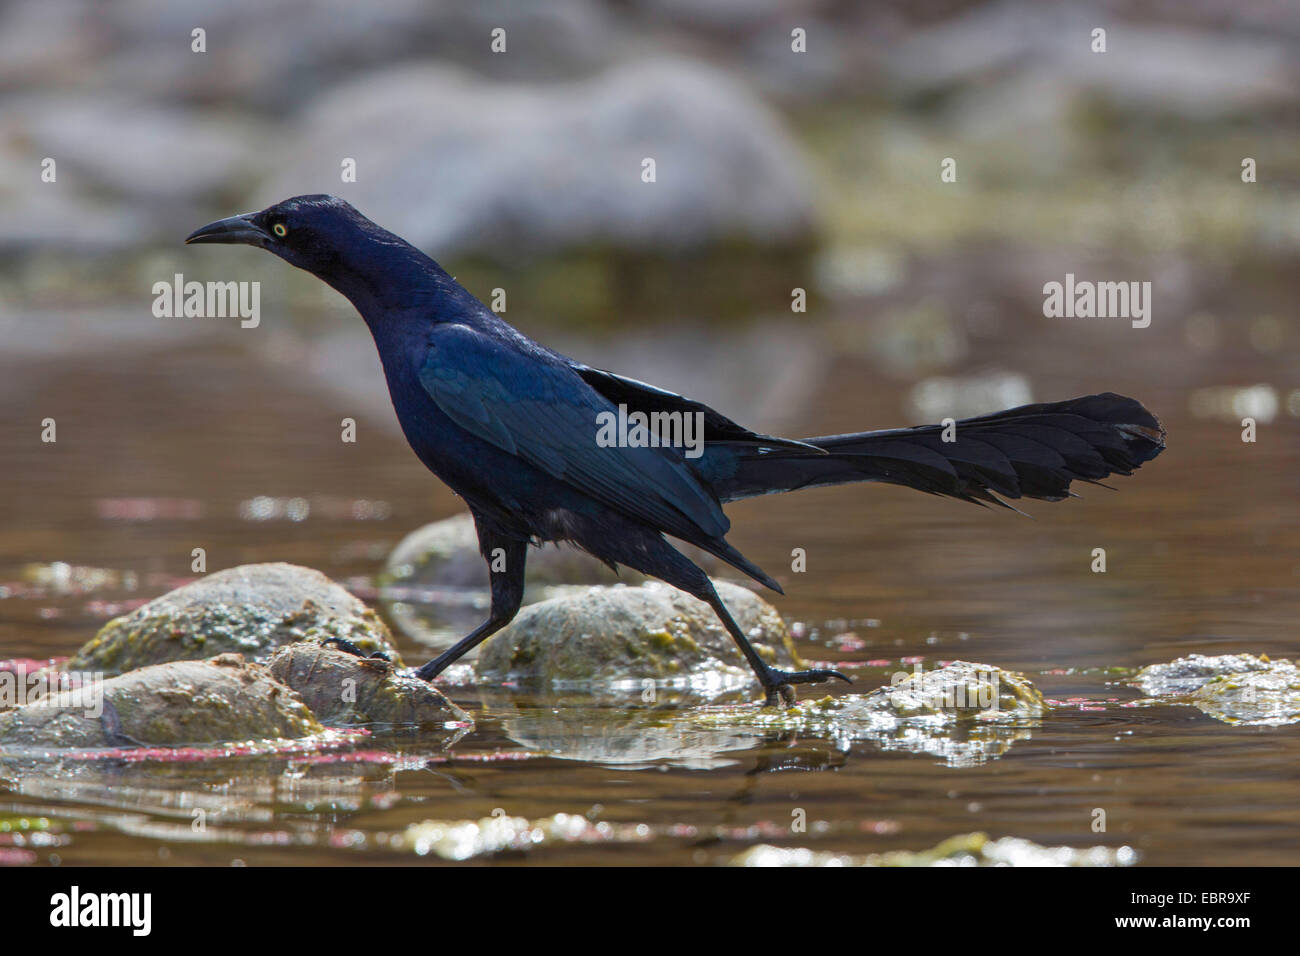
x,y
344,690
173,704
253,610
964,712
1234,688
435,582
617,634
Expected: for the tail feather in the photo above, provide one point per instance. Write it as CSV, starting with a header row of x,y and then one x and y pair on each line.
x,y
1034,451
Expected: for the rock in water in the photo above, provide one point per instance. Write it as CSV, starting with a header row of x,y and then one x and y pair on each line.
x,y
253,610
1234,688
435,583
344,690
655,632
178,703
964,712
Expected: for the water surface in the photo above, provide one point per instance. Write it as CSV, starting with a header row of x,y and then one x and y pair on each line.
x,y
211,445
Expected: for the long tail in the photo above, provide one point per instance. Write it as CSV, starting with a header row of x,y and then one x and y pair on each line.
x,y
1034,451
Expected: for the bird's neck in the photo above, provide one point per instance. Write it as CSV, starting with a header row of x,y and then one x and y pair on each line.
x,y
396,280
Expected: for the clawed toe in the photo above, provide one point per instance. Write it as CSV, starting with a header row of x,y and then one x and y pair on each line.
x,y
352,649
807,677
783,681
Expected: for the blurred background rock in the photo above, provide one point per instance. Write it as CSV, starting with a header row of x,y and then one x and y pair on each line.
x,y
775,169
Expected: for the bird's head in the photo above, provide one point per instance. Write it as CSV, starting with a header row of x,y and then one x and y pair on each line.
x,y
315,233
375,269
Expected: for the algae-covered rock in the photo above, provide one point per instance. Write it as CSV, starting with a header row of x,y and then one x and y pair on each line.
x,y
963,712
252,610
1186,674
655,632
344,690
960,690
967,849
1255,698
181,702
1235,688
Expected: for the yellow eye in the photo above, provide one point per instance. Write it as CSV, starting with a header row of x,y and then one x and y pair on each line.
x,y
280,230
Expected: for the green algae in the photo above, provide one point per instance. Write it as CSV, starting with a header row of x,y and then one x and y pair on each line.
x,y
964,712
1239,689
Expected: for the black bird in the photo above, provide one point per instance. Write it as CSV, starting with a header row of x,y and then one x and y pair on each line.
x,y
515,429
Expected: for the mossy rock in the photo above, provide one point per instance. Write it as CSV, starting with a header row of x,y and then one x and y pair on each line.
x,y
1186,674
960,690
964,712
1234,688
178,703
344,690
253,610
652,632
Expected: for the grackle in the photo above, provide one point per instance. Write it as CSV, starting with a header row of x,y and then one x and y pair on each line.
x,y
516,430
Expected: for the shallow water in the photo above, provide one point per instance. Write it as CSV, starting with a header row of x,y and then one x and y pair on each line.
x,y
157,452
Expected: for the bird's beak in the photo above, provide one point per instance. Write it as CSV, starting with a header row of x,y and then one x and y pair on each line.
x,y
236,229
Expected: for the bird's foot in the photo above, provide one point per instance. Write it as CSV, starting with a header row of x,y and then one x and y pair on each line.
x,y
352,649
782,683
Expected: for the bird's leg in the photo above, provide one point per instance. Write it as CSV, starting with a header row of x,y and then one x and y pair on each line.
x,y
506,559
776,683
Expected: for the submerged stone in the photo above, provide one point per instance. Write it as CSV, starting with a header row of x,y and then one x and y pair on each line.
x,y
173,704
1234,688
968,849
963,712
648,633
253,610
344,690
